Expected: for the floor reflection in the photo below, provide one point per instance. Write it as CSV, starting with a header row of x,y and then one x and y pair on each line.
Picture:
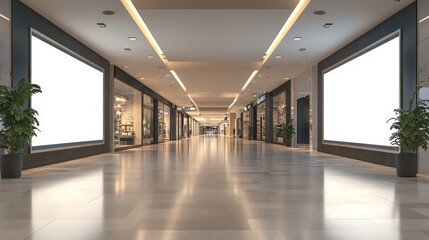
x,y
213,187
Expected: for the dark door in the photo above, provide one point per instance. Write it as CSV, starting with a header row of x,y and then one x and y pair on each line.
x,y
303,120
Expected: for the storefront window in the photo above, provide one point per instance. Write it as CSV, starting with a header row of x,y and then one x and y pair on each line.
x,y
191,127
128,115
260,122
147,120
185,126
179,125
166,123
279,116
246,124
163,122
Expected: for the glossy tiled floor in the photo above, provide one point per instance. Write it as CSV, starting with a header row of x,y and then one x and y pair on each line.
x,y
214,188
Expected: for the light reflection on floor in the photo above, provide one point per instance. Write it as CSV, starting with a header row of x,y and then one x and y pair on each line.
x,y
214,188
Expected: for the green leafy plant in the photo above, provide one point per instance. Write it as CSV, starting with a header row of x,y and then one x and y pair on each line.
x,y
288,130
19,122
411,125
250,133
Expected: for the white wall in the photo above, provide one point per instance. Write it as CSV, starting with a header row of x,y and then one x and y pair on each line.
x,y
137,116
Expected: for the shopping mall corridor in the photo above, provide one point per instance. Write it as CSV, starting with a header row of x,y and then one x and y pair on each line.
x,y
212,187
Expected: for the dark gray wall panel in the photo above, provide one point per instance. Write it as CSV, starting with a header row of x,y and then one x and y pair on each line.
x,y
406,20
23,19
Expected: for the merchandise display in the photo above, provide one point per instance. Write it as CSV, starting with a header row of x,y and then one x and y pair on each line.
x,y
124,128
127,116
260,122
279,116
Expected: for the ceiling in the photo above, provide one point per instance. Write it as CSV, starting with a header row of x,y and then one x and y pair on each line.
x,y
214,46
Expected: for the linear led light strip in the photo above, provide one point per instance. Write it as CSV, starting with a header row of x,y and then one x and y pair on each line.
x,y
249,80
300,7
143,28
4,17
424,19
244,88
178,80
192,100
235,100
146,32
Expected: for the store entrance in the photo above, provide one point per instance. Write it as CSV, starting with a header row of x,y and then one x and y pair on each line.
x,y
303,120
260,122
127,115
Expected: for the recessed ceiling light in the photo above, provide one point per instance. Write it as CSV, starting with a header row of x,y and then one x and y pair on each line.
x,y
304,62
150,56
127,49
101,25
319,12
132,38
297,38
125,66
286,78
142,78
260,75
108,12
168,75
293,17
302,49
278,57
328,25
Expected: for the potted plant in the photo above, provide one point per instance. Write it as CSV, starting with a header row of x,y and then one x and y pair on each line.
x,y
19,125
279,128
411,127
250,133
288,131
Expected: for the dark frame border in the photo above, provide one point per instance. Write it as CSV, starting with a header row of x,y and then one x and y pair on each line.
x,y
23,20
52,43
406,21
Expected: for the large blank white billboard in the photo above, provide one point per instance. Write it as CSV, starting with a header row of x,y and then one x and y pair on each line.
x,y
360,96
71,103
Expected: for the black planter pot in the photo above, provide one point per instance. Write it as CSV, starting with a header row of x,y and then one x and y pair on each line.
x,y
11,165
406,164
